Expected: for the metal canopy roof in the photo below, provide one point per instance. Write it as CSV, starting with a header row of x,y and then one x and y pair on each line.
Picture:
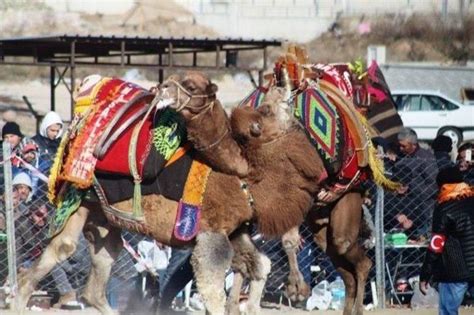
x,y
98,50
72,51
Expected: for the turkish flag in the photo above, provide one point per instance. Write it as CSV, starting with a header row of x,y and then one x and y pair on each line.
x,y
437,243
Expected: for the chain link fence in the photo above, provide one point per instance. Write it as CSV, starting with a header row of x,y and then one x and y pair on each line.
x,y
404,225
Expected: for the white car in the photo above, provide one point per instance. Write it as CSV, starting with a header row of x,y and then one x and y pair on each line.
x,y
431,113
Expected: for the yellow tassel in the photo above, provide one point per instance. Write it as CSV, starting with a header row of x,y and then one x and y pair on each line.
x,y
56,169
375,164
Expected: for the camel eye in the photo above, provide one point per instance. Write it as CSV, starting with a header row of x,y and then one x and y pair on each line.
x,y
265,110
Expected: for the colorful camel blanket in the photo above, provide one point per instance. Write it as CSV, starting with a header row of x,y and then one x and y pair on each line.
x,y
322,122
79,165
189,209
325,119
184,179
95,107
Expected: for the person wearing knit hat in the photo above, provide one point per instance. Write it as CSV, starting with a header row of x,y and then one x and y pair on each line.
x,y
449,259
23,186
11,133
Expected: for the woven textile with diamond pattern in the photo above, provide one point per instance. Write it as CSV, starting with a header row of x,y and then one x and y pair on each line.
x,y
325,127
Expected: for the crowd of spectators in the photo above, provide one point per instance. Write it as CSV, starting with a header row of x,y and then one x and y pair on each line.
x,y
32,158
409,209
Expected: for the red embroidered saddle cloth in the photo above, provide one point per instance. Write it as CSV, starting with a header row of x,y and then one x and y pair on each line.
x,y
116,158
104,101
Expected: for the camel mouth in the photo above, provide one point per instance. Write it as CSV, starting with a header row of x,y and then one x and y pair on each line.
x,y
165,102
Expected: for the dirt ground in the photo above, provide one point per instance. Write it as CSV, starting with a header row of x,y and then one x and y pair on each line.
x,y
286,310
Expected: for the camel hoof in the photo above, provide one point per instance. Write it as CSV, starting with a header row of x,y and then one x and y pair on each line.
x,y
297,292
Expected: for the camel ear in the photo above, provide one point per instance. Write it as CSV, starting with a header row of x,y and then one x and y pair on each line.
x,y
212,89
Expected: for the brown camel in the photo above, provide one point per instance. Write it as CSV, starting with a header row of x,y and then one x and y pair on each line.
x,y
279,166
335,227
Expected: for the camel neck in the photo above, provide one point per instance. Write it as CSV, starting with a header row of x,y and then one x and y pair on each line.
x,y
210,135
283,176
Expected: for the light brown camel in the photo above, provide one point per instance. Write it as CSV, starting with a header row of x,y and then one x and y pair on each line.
x,y
280,166
336,227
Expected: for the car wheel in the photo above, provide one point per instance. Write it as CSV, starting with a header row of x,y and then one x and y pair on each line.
x,y
454,133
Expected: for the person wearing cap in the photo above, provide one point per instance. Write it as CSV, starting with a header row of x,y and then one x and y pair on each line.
x,y
33,164
23,186
49,135
449,258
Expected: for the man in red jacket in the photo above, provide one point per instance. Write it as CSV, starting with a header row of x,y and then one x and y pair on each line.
x,y
449,259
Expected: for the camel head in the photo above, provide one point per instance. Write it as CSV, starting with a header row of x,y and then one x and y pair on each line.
x,y
253,127
191,94
277,98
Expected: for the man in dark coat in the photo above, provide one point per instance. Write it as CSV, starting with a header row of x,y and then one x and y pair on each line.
x,y
442,147
449,259
421,190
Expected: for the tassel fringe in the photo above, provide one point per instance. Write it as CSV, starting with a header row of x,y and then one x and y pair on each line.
x,y
375,164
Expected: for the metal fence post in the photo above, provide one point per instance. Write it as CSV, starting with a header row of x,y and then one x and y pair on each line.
x,y
380,248
10,224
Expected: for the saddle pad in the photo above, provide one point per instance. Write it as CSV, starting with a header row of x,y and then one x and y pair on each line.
x,y
116,158
323,124
70,202
158,140
80,163
189,208
339,76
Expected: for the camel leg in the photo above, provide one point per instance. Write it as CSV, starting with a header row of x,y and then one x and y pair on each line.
x,y
362,264
344,225
211,258
61,247
105,244
250,263
296,289
343,267
233,300
257,284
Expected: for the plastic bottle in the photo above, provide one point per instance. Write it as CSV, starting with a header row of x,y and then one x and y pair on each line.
x,y
338,294
320,297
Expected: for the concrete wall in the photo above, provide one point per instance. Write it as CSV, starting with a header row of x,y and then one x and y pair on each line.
x,y
299,20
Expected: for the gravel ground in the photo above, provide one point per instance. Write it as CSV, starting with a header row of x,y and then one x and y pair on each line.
x,y
286,310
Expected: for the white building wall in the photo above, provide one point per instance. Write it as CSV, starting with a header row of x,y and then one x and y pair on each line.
x,y
299,20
